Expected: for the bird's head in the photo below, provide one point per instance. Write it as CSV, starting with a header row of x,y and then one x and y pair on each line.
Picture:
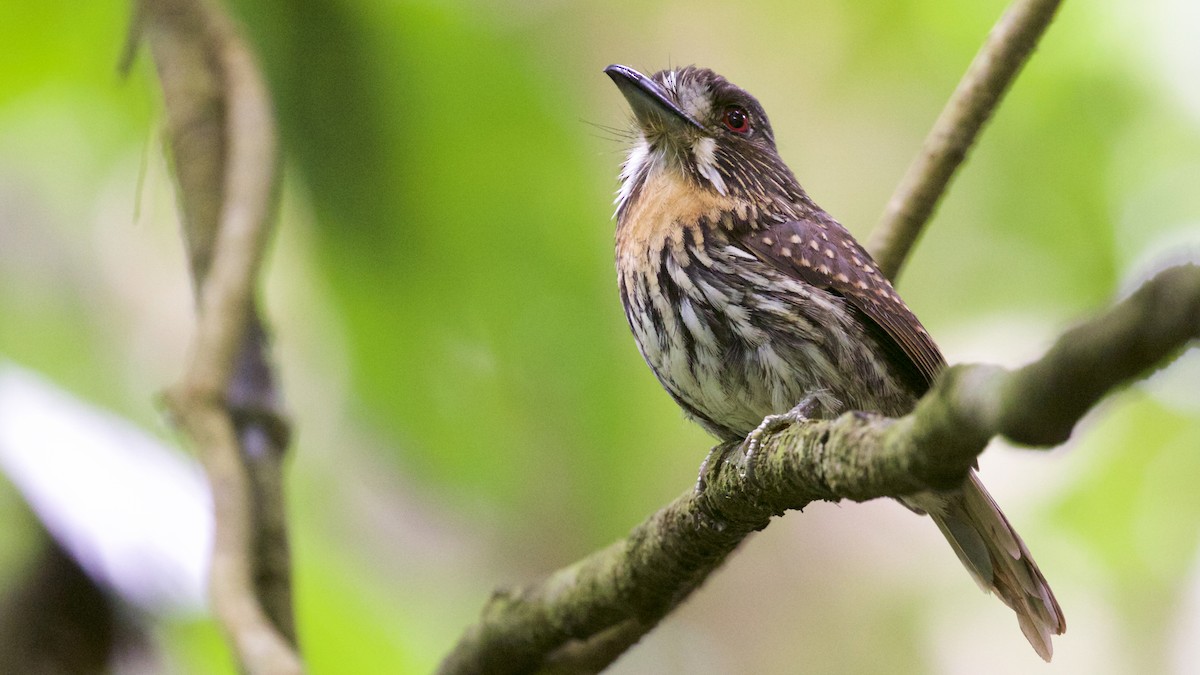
x,y
700,128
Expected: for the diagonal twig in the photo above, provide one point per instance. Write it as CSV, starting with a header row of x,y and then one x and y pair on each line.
x,y
996,65
583,616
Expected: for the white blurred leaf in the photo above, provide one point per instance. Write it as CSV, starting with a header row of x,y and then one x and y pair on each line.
x,y
134,513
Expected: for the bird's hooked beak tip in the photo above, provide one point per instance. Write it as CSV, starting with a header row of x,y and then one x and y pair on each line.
x,y
649,101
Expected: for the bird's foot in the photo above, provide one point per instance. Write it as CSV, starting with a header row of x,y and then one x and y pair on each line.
x,y
804,411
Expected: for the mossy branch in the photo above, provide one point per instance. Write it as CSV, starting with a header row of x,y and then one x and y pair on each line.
x,y
584,616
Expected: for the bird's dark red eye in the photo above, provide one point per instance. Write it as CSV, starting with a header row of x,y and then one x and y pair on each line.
x,y
736,119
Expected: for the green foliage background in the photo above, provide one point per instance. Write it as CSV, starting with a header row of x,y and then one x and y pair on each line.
x,y
470,409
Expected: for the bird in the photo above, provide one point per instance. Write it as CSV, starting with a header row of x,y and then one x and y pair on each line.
x,y
750,303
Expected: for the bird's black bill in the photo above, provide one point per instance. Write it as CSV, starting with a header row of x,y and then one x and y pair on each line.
x,y
647,97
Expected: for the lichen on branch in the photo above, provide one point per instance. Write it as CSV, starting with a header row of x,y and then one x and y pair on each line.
x,y
567,622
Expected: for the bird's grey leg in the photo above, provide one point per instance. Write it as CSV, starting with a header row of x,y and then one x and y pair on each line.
x,y
809,408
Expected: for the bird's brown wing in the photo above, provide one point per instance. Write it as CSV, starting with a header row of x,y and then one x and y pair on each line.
x,y
820,251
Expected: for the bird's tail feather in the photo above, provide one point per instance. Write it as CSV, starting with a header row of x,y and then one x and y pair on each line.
x,y
994,554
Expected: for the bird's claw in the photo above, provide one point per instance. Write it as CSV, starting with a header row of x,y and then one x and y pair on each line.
x,y
803,411
807,409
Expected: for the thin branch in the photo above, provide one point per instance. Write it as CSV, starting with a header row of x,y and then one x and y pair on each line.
x,y
995,67
621,592
222,136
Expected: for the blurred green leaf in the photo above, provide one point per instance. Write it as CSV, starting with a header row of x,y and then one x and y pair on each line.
x,y
1138,511
451,198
